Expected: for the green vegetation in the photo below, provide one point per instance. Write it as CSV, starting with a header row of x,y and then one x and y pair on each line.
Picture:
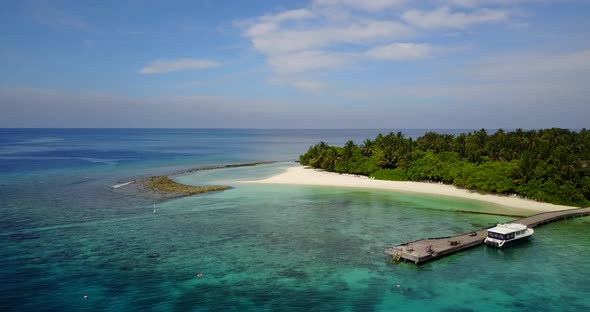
x,y
550,165
166,185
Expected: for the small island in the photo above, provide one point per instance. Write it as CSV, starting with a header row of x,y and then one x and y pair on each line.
x,y
166,185
549,165
163,187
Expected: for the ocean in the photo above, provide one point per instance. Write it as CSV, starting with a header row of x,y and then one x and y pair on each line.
x,y
68,242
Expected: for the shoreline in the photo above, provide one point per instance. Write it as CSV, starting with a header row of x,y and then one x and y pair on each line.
x,y
314,177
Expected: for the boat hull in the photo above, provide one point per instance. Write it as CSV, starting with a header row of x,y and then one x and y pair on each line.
x,y
512,242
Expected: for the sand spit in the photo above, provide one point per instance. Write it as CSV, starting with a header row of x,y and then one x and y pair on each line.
x,y
306,176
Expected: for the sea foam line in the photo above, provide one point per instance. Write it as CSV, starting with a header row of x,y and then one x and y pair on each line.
x,y
122,184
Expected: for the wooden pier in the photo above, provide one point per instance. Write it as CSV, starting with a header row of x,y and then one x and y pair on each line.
x,y
433,248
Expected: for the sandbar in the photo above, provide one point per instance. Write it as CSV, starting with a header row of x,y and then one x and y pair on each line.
x,y
299,175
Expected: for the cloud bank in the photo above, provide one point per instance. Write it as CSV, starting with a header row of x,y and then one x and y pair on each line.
x,y
337,34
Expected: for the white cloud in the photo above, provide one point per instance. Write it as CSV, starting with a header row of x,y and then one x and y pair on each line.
x,y
297,14
334,34
466,3
270,38
477,3
444,18
261,29
400,51
166,66
367,5
298,41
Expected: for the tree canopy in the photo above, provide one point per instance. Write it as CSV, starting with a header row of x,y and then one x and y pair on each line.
x,y
550,165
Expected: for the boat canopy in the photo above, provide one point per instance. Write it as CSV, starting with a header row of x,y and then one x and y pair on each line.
x,y
508,228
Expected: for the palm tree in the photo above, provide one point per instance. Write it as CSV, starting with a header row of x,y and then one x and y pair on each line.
x,y
526,167
348,150
367,147
459,145
388,158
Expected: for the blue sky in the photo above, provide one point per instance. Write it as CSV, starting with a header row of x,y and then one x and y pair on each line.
x,y
295,64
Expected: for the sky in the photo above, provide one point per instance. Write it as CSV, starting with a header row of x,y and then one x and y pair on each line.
x,y
295,64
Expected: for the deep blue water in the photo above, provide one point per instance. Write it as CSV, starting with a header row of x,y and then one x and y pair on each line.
x,y
65,234
39,149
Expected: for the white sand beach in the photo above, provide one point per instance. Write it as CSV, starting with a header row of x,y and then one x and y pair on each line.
x,y
306,176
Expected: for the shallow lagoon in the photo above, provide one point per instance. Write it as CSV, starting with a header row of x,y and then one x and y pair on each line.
x,y
263,247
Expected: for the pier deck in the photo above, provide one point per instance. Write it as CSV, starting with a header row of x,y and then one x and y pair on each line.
x,y
432,248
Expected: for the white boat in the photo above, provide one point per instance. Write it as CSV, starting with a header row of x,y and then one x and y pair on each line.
x,y
506,234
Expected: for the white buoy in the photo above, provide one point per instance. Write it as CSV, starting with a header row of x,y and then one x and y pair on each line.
x,y
154,208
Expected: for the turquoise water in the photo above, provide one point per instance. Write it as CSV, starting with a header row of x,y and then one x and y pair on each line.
x,y
65,234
